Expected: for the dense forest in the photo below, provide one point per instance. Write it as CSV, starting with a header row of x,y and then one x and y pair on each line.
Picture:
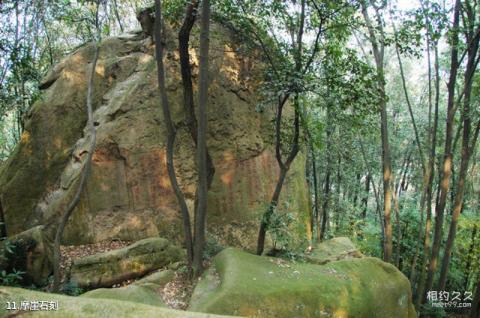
x,y
373,106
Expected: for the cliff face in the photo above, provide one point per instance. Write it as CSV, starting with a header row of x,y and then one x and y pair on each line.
x,y
128,194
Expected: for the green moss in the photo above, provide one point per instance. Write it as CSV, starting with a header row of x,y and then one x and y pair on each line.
x,y
255,286
84,307
137,294
136,260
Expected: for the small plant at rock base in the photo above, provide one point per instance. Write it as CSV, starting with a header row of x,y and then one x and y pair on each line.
x,y
212,246
279,229
13,278
71,289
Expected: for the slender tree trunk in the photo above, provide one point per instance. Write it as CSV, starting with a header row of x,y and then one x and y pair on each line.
x,y
338,192
3,226
378,52
327,183
202,189
445,171
410,110
86,167
355,190
468,265
377,196
186,72
284,166
468,145
429,187
315,188
365,198
311,170
467,149
475,311
115,10
171,133
271,210
399,229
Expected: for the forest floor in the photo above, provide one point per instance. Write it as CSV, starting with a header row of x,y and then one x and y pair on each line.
x,y
176,294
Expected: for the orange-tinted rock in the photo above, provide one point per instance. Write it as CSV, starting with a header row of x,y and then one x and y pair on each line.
x,y
128,194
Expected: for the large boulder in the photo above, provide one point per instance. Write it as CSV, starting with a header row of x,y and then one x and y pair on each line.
x,y
133,261
139,294
83,307
331,250
143,291
239,283
128,194
30,252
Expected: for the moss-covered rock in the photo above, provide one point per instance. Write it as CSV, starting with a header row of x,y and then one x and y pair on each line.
x,y
243,284
136,260
84,307
30,252
146,294
333,250
159,278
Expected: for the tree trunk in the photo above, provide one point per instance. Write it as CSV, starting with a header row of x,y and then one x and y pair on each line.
x,y
311,171
378,52
475,311
468,265
428,193
399,229
445,171
467,149
328,172
202,167
271,209
3,226
355,190
284,166
115,9
315,188
377,196
365,198
171,134
338,192
186,72
86,167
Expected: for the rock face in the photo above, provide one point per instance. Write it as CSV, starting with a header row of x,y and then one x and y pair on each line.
x,y
128,194
243,284
134,261
30,252
84,307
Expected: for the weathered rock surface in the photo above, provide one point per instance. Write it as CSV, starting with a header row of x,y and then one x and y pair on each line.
x,y
133,261
84,307
243,284
134,293
30,252
336,249
128,194
143,291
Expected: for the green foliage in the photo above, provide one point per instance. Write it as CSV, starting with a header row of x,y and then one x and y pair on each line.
x,y
13,278
212,246
279,228
428,310
71,289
